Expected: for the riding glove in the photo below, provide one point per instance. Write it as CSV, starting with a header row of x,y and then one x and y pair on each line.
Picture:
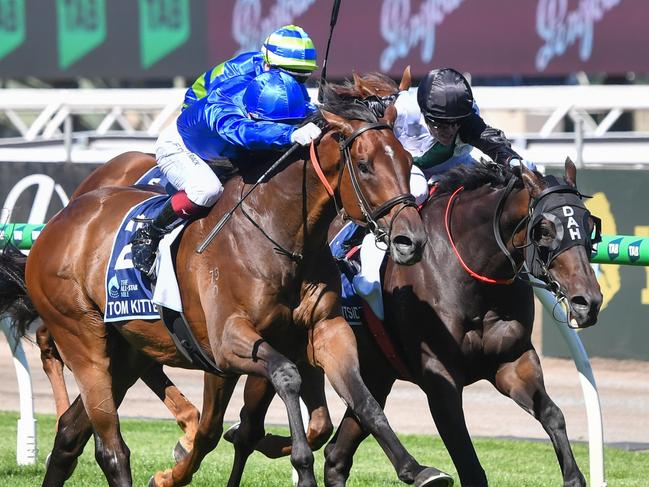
x,y
304,135
516,162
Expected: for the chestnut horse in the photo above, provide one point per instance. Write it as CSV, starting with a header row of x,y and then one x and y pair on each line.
x,y
254,312
454,325
126,169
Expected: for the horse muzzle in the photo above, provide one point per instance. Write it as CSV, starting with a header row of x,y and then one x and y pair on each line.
x,y
407,238
584,307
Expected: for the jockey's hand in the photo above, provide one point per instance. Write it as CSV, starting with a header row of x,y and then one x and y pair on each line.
x,y
517,162
305,134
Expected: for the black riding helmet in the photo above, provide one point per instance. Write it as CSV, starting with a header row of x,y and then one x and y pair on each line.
x,y
444,94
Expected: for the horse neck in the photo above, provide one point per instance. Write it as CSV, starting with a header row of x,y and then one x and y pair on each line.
x,y
476,241
299,199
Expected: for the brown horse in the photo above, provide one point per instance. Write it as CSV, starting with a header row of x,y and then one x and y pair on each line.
x,y
251,310
125,170
453,328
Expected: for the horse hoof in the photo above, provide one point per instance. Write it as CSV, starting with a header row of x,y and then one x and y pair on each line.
x,y
431,476
179,452
231,432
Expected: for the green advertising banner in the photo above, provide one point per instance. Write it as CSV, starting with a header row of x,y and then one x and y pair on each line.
x,y
12,25
164,26
81,28
620,199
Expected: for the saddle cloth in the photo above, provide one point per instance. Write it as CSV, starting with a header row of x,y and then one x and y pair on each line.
x,y
155,177
352,304
129,295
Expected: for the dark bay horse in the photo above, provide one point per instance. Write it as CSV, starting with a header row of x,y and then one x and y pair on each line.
x,y
125,170
254,312
453,328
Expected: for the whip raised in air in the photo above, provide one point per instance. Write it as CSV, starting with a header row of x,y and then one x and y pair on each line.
x,y
332,23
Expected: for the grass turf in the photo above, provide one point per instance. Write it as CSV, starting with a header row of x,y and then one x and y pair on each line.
x,y
507,462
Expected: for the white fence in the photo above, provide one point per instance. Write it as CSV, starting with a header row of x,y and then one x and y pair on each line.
x,y
532,116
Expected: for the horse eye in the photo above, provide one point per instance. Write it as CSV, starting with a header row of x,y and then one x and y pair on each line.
x,y
363,167
544,231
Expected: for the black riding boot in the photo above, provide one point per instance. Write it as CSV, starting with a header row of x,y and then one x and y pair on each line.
x,y
144,242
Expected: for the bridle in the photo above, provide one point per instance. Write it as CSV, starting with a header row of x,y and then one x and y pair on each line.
x,y
538,259
370,215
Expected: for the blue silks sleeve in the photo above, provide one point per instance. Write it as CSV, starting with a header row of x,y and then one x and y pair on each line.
x,y
247,64
234,126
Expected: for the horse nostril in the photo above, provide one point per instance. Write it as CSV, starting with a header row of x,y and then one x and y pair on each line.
x,y
579,302
402,241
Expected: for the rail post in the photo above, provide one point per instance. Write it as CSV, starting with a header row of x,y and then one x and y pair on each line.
x,y
26,449
588,386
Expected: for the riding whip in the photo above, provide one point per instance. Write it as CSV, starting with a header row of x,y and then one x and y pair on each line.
x,y
332,23
224,219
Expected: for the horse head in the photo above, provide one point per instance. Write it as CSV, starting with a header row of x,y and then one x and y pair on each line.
x,y
560,234
373,168
533,220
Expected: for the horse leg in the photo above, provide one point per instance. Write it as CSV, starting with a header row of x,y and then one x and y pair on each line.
x,y
249,353
445,404
522,380
76,426
74,430
334,349
217,392
53,367
339,453
320,426
258,394
186,414
312,392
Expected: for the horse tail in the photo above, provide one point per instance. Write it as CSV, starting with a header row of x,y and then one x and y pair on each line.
x,y
14,301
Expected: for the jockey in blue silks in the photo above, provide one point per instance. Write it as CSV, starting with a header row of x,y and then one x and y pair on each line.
x,y
243,114
288,49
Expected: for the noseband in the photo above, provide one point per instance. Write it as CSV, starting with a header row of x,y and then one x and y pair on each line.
x,y
370,215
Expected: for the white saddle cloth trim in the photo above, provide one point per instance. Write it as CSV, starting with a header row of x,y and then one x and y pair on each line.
x,y
167,292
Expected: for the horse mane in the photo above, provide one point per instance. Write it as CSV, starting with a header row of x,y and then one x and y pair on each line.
x,y
349,88
344,106
477,175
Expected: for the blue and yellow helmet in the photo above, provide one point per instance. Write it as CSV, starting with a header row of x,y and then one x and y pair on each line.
x,y
291,49
277,97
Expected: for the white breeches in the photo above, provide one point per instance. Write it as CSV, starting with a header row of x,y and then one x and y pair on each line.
x,y
185,170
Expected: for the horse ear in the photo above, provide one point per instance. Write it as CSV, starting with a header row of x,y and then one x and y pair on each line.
x,y
406,79
361,87
531,181
338,123
390,115
571,172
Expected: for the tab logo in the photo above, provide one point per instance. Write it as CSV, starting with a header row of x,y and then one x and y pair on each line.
x,y
12,25
634,251
614,248
164,26
82,27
